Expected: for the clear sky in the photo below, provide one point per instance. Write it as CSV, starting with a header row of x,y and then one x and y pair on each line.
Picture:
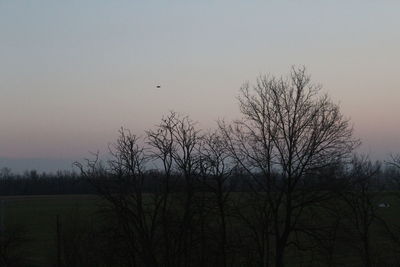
x,y
73,72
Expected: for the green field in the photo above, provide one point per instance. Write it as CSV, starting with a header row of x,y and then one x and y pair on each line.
x,y
38,216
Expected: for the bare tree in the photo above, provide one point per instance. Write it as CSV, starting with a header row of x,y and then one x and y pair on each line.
x,y
163,147
395,161
361,205
287,132
290,135
175,142
121,183
216,168
186,160
394,173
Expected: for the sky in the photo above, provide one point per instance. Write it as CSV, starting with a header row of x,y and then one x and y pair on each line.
x,y
73,72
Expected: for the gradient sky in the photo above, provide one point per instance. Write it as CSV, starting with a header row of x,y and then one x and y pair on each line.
x,y
73,72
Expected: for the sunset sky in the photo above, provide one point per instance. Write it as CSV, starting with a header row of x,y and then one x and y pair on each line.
x,y
73,72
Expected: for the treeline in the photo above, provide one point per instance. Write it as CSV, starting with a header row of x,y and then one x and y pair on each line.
x,y
34,183
67,182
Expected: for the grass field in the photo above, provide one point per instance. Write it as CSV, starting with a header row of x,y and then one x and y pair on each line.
x,y
38,216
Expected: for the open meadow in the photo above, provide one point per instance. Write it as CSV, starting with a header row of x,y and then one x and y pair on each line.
x,y
37,217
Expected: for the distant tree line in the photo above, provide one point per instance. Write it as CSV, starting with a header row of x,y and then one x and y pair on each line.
x,y
34,183
66,182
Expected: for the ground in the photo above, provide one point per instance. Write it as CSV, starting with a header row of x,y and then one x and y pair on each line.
x,y
38,216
